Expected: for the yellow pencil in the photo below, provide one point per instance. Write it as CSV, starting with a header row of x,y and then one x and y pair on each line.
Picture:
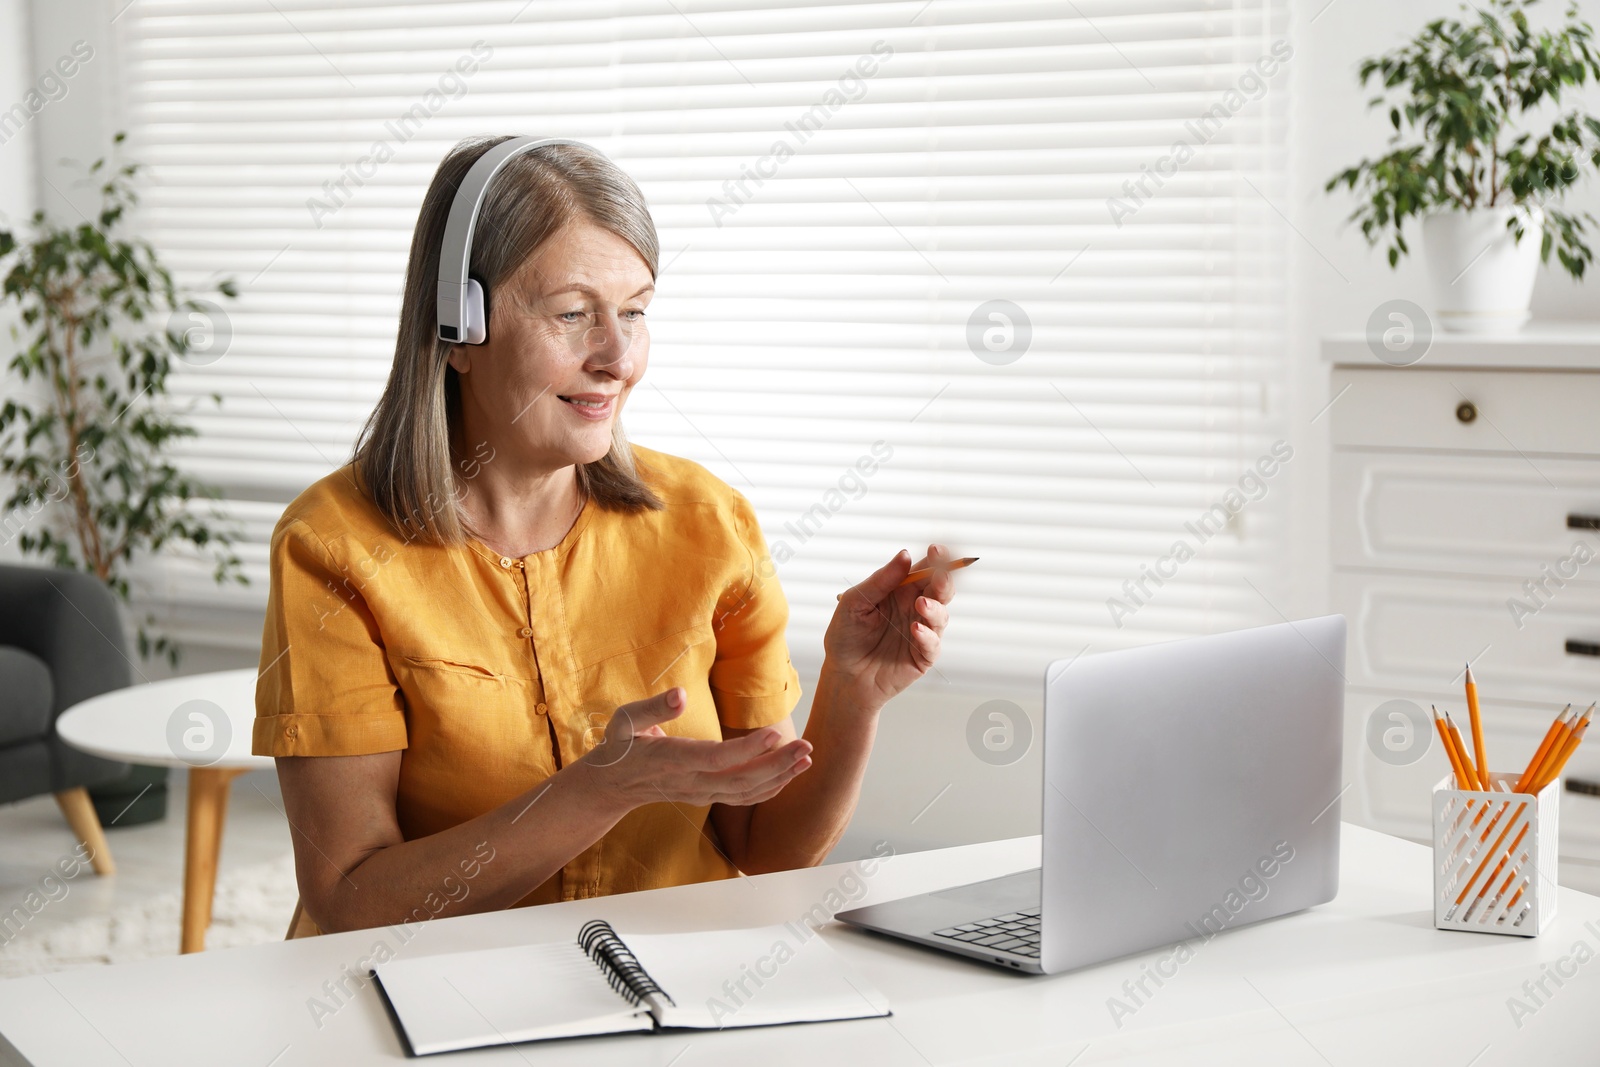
x,y
1554,764
1543,750
1545,767
1472,777
1450,752
1515,871
1475,721
928,572
1493,851
1472,781
1512,851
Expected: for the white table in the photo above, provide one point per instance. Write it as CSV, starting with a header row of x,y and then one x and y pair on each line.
x,y
202,722
1364,980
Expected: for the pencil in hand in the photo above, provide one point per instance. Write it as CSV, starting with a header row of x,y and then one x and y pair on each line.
x,y
927,572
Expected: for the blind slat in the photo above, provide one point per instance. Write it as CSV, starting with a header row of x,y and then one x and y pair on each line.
x,y
812,314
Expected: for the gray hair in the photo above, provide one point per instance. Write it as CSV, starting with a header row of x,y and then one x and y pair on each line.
x,y
403,454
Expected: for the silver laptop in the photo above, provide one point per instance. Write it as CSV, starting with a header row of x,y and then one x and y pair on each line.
x,y
1190,788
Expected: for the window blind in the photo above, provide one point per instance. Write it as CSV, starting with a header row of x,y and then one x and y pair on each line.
x,y
931,271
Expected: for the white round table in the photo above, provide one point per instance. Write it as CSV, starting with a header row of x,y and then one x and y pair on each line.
x,y
202,722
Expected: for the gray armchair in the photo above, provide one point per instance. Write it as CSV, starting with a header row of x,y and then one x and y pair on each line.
x,y
61,642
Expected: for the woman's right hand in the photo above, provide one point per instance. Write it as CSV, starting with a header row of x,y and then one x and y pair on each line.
x,y
637,763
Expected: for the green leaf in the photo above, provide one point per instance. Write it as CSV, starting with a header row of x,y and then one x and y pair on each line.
x,y
87,297
1465,98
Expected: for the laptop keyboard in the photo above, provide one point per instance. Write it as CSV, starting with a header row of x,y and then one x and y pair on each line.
x,y
1016,932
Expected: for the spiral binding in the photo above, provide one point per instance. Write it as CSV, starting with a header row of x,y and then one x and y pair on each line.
x,y
623,969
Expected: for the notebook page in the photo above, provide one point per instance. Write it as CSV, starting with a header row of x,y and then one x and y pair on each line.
x,y
462,1000
761,976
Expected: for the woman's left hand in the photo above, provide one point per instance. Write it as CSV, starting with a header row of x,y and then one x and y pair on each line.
x,y
884,636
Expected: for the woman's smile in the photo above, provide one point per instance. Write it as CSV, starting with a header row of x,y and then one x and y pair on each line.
x,y
596,407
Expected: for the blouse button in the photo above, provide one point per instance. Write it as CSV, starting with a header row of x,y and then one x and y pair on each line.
x,y
505,561
541,707
525,632
291,731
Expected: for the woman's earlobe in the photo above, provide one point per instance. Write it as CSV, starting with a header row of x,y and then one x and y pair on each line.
x,y
459,358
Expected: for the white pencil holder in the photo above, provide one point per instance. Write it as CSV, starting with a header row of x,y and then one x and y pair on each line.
x,y
1494,857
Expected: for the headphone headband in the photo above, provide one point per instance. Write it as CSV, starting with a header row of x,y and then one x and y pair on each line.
x,y
462,311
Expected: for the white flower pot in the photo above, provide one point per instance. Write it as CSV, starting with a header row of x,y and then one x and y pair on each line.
x,y
1482,276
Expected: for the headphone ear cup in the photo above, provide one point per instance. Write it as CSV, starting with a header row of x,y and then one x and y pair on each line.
x,y
476,314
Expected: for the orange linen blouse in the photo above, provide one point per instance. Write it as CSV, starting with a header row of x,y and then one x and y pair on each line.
x,y
492,673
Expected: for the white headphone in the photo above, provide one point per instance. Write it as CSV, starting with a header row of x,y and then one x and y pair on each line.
x,y
463,316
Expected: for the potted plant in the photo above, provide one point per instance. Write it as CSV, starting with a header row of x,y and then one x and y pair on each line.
x,y
1487,189
86,442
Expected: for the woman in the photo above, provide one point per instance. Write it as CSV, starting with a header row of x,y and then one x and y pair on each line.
x,y
509,659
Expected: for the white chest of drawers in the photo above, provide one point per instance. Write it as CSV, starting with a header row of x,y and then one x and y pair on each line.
x,y
1465,525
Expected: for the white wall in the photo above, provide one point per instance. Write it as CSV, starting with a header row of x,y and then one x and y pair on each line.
x,y
17,196
76,129
37,41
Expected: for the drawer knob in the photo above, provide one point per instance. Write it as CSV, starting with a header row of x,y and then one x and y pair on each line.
x,y
1583,648
1466,411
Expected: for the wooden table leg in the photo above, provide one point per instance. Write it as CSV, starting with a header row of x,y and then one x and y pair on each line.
x,y
224,791
79,810
208,809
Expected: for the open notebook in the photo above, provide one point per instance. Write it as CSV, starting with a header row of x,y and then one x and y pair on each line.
x,y
601,984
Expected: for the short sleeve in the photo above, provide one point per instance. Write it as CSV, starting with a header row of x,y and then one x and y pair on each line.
x,y
752,680
325,687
